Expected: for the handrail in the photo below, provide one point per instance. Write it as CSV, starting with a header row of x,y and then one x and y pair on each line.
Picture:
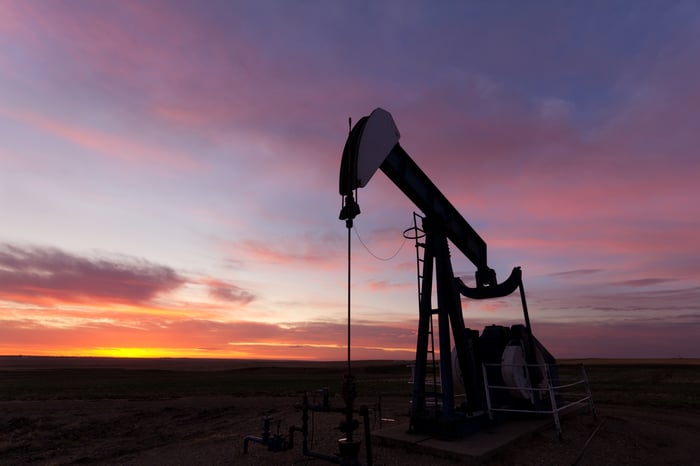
x,y
555,391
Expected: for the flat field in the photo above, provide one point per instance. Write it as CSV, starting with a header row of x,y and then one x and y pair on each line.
x,y
174,411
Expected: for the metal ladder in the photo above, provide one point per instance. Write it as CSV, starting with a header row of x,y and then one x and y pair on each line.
x,y
416,233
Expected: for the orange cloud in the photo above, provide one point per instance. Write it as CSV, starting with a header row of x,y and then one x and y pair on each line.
x,y
191,338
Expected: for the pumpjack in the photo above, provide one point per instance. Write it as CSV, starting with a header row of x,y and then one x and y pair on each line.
x,y
373,144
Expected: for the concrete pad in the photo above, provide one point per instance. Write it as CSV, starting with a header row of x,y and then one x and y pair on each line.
x,y
472,448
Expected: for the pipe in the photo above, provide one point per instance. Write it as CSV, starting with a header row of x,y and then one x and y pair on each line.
x,y
305,435
251,438
263,440
292,429
364,412
321,456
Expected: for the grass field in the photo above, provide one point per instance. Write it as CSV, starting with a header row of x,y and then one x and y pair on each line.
x,y
101,383
671,385
171,411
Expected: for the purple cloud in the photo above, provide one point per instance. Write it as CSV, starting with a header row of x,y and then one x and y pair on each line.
x,y
228,292
49,275
575,273
642,282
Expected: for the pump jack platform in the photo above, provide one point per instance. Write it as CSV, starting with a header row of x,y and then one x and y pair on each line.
x,y
472,449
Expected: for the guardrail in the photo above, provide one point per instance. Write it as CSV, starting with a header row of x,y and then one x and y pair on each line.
x,y
556,393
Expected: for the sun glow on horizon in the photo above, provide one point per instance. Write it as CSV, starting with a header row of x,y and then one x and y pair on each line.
x,y
242,350
137,352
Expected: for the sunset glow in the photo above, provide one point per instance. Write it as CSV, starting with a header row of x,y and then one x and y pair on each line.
x,y
169,182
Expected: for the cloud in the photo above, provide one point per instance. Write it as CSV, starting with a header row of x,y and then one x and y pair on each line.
x,y
384,285
644,282
116,147
316,250
327,340
48,276
575,273
190,337
187,71
620,340
228,292
577,164
556,109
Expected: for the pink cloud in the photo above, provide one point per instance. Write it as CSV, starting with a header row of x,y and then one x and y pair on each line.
x,y
611,239
621,340
310,251
206,79
47,275
570,274
116,147
323,251
116,42
228,292
644,282
384,285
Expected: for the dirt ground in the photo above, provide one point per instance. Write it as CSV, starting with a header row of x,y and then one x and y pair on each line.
x,y
211,430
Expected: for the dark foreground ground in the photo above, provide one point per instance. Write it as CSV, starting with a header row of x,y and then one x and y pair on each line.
x,y
145,412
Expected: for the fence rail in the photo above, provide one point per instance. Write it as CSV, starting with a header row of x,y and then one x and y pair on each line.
x,y
557,393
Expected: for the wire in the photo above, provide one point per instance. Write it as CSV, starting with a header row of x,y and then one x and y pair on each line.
x,y
384,259
583,450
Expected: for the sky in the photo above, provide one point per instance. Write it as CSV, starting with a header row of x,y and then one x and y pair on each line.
x,y
169,173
